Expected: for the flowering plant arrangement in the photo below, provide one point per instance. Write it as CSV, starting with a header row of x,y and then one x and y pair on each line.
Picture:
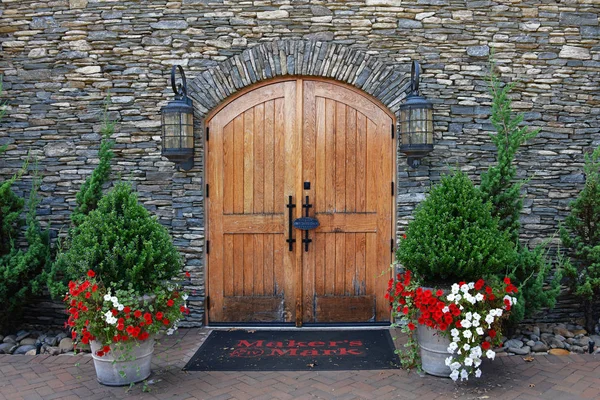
x,y
120,316
469,314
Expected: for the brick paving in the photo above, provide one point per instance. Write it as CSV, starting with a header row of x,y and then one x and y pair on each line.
x,y
509,377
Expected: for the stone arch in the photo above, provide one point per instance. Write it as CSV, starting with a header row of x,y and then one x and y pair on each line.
x,y
300,58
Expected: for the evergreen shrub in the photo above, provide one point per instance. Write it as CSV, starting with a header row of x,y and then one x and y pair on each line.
x,y
123,244
453,236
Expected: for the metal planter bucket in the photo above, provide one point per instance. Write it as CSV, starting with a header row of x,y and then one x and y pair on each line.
x,y
124,364
434,351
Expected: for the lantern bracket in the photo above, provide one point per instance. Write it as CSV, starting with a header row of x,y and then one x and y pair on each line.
x,y
414,78
180,89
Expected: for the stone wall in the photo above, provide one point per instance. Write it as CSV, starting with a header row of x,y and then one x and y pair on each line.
x,y
60,59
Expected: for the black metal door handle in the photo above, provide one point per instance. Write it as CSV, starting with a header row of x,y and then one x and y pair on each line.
x,y
306,240
290,240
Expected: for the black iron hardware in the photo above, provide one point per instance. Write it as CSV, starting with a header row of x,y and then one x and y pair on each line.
x,y
290,240
393,130
208,247
392,245
306,240
306,223
207,134
392,188
306,185
207,190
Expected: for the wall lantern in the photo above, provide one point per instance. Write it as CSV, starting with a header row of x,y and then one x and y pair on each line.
x,y
178,125
416,122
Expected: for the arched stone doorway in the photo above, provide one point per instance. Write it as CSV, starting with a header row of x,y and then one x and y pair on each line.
x,y
294,141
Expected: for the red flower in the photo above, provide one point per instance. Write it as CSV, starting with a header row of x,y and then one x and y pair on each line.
x,y
91,273
479,284
88,295
443,326
137,313
148,316
403,236
106,349
458,325
144,336
116,338
182,309
439,293
166,321
507,280
159,315
114,312
127,309
491,297
411,326
99,353
485,345
120,327
448,319
405,310
85,340
488,290
170,303
94,288
187,274
492,333
129,329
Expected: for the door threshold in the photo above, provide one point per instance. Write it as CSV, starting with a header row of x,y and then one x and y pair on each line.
x,y
306,327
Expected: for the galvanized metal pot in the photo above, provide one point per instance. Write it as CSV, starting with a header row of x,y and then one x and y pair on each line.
x,y
434,351
125,364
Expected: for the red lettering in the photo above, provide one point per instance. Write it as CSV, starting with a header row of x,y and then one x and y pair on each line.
x,y
332,344
309,353
316,344
329,352
281,352
344,352
356,343
275,344
258,343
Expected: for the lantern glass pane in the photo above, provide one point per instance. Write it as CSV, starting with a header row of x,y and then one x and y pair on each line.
x,y
188,130
172,130
404,122
429,126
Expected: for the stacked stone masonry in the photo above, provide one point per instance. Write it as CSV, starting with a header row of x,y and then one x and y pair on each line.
x,y
60,59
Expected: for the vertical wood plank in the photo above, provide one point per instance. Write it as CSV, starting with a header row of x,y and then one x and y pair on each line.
x,y
228,263
280,192
258,276
248,264
228,168
330,175
269,158
360,243
340,157
351,160
248,161
340,258
329,263
238,165
268,258
259,159
349,265
320,160
238,265
361,161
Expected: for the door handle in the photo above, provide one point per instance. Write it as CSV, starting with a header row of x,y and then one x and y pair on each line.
x,y
306,240
290,240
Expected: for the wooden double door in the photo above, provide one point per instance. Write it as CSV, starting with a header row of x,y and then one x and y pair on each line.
x,y
271,152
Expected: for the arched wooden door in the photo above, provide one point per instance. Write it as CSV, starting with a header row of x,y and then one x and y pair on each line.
x,y
272,151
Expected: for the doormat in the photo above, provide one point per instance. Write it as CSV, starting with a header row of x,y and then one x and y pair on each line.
x,y
258,350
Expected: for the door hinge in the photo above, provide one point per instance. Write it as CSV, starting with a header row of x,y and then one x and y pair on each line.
x,y
207,134
392,188
392,245
208,247
207,191
393,130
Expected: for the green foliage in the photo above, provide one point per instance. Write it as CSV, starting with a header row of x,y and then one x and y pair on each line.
x,y
86,199
454,236
90,192
123,244
11,207
22,272
531,268
581,235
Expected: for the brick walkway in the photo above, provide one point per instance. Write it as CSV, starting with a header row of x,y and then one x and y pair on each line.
x,y
73,377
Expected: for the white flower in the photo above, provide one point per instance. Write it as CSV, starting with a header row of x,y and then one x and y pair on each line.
x,y
479,297
454,332
114,299
467,334
489,319
479,330
108,314
477,373
455,366
450,297
468,361
107,297
465,323
475,352
499,312
469,315
475,323
514,300
477,362
464,375
452,347
454,375
490,354
470,299
457,298
170,331
448,361
467,346
111,320
476,316
184,296
455,288
120,307
464,288
445,309
456,339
